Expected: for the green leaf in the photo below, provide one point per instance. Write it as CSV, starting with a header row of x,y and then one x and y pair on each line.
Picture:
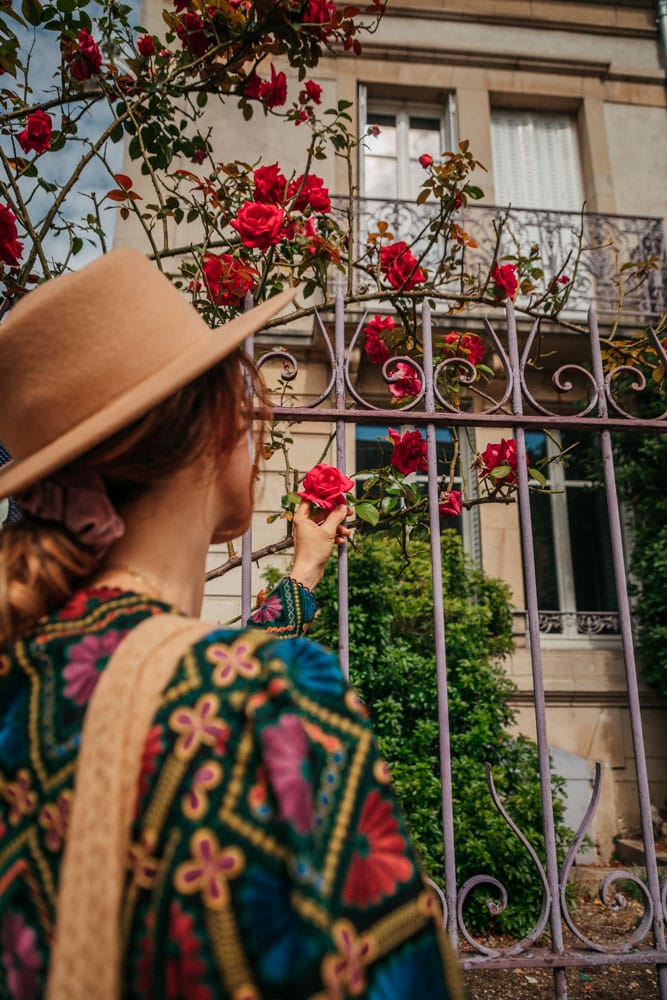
x,y
292,498
473,192
32,11
500,472
77,245
537,475
367,512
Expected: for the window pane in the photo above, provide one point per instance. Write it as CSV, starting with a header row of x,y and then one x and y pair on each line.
x,y
545,556
383,144
591,549
424,137
380,178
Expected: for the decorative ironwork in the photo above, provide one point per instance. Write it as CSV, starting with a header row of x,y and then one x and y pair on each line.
x,y
598,402
589,623
608,242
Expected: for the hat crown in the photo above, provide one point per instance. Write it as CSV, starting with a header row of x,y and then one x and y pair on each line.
x,y
81,340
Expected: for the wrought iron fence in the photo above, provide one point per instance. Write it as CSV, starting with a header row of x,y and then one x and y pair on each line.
x,y
608,242
603,410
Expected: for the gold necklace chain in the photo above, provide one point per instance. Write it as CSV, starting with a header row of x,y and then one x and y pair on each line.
x,y
147,584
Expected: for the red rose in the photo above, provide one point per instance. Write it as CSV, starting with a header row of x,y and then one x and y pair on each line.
x,y
146,45
325,486
311,194
227,278
400,266
426,160
409,452
11,249
37,133
198,156
406,384
375,347
270,185
192,35
463,345
457,201
505,281
311,92
259,225
563,280
495,456
273,92
450,504
319,12
86,59
377,351
252,86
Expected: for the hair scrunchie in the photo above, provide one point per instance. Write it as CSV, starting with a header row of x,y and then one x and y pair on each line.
x,y
79,501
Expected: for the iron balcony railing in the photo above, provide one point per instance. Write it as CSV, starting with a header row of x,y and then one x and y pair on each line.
x,y
607,243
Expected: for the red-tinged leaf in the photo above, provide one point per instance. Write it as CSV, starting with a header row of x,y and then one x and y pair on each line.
x,y
357,47
124,212
123,181
117,195
351,11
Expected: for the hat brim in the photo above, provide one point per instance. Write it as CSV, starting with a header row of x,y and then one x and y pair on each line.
x,y
18,474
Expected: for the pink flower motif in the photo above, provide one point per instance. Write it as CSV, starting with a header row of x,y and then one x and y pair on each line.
x,y
209,870
232,662
268,611
54,817
450,503
406,383
195,800
199,725
285,755
86,661
343,972
21,960
19,796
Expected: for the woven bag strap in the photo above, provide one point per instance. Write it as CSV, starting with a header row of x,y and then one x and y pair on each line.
x,y
86,956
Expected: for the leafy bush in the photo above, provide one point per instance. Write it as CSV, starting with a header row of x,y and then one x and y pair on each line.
x,y
393,668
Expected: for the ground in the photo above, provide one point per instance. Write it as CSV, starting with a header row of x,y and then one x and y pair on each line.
x,y
615,982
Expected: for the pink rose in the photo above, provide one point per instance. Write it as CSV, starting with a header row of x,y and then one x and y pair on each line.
x,y
325,486
409,452
11,249
505,281
450,503
426,160
270,185
374,345
37,133
406,384
259,225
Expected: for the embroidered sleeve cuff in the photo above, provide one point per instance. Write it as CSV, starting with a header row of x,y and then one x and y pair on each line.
x,y
286,611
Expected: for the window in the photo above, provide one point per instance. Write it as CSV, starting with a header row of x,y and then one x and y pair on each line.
x,y
571,538
390,174
374,449
536,162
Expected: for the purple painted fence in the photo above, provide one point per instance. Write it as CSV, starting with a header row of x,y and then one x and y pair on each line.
x,y
603,411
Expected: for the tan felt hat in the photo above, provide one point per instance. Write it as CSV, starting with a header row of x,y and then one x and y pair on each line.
x,y
87,352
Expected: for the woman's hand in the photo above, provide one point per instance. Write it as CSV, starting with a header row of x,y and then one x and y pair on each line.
x,y
314,541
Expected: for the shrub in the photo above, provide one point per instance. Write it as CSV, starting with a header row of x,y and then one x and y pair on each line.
x,y
393,668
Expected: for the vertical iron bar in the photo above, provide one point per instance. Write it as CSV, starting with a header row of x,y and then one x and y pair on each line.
x,y
343,615
636,727
246,541
530,583
439,628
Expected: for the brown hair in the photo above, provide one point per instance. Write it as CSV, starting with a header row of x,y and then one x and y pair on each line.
x,y
41,563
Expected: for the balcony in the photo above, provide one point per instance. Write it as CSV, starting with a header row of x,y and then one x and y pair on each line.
x,y
609,241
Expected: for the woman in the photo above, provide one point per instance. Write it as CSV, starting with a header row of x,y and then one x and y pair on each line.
x,y
267,856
